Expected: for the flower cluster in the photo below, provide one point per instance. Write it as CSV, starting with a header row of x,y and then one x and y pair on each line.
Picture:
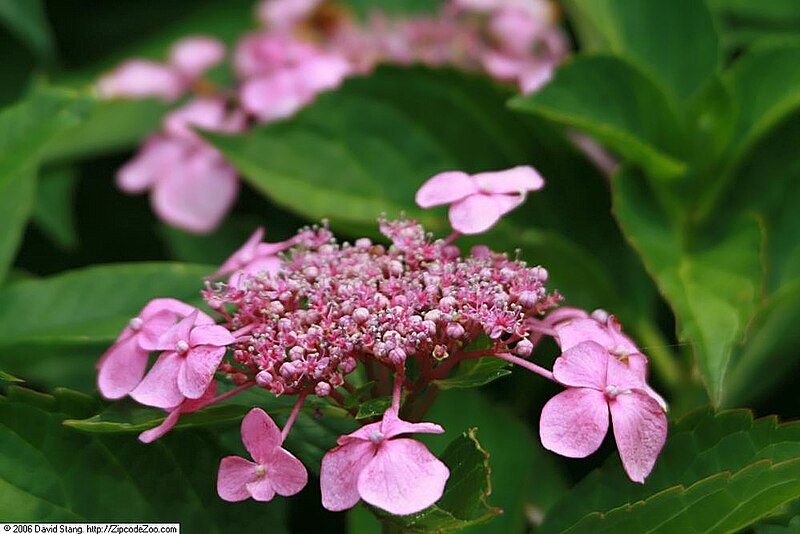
x,y
297,318
306,47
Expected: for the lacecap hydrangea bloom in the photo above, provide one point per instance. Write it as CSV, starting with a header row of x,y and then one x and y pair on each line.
x,y
298,318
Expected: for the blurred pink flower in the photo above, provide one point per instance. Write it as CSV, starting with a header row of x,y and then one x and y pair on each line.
x,y
275,469
185,369
574,422
283,14
140,78
122,366
399,475
478,201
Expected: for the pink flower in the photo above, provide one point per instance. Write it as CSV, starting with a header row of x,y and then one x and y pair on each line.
x,y
275,469
122,367
139,78
478,201
399,475
574,422
193,187
187,406
608,334
283,14
192,56
185,369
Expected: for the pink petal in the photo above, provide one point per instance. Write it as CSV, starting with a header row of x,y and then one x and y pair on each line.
x,y
403,478
121,369
260,435
445,188
169,340
160,386
154,327
138,78
535,76
198,370
193,405
234,475
361,434
640,429
584,365
322,73
519,179
285,13
574,422
156,157
474,214
339,473
572,333
213,335
192,56
507,203
274,97
198,195
202,113
149,436
287,474
392,426
261,489
176,307
623,377
239,258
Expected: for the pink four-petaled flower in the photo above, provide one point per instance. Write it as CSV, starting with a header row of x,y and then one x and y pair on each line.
x,y
477,202
186,368
275,469
122,367
399,475
574,422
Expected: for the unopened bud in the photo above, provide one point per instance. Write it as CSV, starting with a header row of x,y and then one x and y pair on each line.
x,y
263,379
524,348
397,356
455,330
360,315
322,389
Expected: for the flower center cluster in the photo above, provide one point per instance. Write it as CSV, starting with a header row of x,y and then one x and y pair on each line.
x,y
333,305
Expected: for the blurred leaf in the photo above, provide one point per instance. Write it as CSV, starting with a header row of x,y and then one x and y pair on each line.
x,y
717,473
464,502
475,373
5,377
27,19
675,42
377,139
373,407
53,212
523,475
616,104
53,473
713,284
111,126
764,83
52,329
744,22
213,248
25,130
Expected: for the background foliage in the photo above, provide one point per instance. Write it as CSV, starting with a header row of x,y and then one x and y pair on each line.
x,y
693,243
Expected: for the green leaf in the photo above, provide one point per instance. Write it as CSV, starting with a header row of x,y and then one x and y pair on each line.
x,y
713,284
5,377
717,473
27,19
524,476
50,472
25,130
53,212
52,329
464,502
764,84
378,138
111,126
675,42
475,373
373,407
743,22
615,103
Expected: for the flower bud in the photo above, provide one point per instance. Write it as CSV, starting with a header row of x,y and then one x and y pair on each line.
x,y
263,379
524,348
360,315
455,330
322,389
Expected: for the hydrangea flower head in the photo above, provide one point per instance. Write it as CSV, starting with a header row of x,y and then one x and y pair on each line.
x,y
396,474
574,422
478,201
